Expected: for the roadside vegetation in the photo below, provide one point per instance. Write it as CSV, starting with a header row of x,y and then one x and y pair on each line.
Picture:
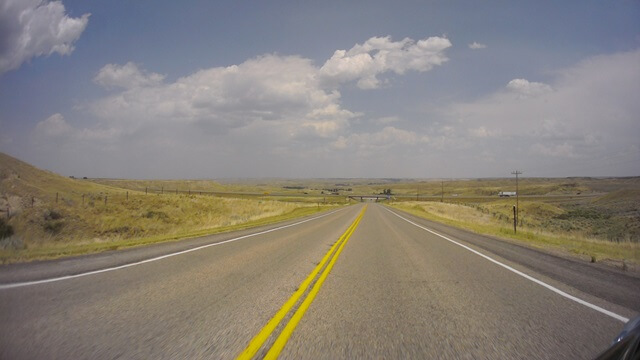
x,y
45,215
454,189
602,228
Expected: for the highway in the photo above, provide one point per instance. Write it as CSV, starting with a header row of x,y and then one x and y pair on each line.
x,y
365,281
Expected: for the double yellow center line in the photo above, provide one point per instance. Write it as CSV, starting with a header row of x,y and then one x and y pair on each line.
x,y
331,257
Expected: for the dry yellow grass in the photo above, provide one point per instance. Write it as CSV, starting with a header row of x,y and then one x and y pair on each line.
x,y
71,229
55,216
496,219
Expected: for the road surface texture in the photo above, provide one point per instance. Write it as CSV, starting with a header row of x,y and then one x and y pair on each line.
x,y
385,287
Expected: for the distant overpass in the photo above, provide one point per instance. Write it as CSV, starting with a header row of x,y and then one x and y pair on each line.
x,y
362,198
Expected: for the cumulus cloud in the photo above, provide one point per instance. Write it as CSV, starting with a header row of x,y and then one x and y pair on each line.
x,y
126,76
587,109
364,63
284,116
55,126
555,150
482,132
272,88
387,120
34,28
289,93
373,142
477,45
527,88
268,107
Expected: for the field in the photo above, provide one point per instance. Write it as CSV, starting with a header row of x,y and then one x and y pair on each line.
x,y
51,216
599,227
594,218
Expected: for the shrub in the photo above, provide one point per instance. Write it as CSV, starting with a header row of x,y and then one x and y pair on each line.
x,y
53,227
160,215
52,215
583,213
6,230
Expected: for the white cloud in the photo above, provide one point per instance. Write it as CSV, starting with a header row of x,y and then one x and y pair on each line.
x,y
388,137
34,28
286,97
127,76
476,46
482,132
379,55
587,109
559,150
278,89
527,88
340,143
272,113
387,120
54,125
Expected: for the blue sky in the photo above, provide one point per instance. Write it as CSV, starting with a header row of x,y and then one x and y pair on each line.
x,y
201,89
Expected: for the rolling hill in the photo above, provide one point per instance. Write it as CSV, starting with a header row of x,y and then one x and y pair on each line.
x,y
50,215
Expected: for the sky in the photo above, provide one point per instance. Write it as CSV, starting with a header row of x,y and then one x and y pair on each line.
x,y
325,89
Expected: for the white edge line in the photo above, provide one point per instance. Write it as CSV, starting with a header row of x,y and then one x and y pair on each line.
x,y
44,281
554,289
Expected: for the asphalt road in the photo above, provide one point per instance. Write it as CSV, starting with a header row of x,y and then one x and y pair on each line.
x,y
391,289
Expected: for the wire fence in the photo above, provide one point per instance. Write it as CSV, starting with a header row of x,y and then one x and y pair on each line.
x,y
122,197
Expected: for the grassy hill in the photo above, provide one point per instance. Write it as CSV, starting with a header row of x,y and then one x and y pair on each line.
x,y
603,227
20,182
46,215
167,186
50,215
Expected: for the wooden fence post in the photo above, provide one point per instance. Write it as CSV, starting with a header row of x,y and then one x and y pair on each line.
x,y
515,219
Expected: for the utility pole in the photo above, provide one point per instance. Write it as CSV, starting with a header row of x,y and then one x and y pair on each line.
x,y
417,193
516,173
442,192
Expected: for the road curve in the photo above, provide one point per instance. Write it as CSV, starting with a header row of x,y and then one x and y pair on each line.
x,y
395,291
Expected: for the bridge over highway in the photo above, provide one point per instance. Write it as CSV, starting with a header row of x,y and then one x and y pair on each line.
x,y
363,198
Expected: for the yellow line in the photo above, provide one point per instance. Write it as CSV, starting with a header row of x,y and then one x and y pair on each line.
x,y
286,333
263,335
